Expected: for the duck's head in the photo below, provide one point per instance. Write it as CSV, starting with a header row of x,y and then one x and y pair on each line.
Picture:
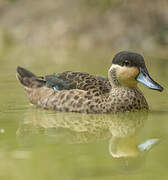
x,y
128,69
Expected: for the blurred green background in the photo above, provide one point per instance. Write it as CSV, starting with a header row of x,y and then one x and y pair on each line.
x,y
81,35
33,31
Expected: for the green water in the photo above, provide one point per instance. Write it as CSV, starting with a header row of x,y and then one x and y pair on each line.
x,y
38,144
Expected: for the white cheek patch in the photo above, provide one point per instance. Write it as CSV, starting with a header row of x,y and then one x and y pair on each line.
x,y
114,66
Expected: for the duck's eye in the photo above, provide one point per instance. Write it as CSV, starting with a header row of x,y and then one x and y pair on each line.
x,y
126,63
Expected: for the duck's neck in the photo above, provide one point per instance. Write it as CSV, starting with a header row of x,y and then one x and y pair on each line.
x,y
125,96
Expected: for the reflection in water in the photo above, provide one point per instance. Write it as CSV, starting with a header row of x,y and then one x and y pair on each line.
x,y
121,131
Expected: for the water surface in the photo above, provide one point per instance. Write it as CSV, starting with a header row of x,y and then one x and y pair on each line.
x,y
39,144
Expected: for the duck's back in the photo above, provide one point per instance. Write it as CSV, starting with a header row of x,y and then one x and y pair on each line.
x,y
76,80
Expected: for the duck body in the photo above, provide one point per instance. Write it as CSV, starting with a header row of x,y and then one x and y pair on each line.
x,y
84,93
77,100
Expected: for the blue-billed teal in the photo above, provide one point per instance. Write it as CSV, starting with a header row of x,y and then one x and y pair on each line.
x,y
81,92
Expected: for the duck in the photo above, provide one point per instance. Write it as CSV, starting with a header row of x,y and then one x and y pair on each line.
x,y
85,93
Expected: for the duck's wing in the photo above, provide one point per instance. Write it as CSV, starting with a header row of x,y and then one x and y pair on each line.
x,y
76,80
67,80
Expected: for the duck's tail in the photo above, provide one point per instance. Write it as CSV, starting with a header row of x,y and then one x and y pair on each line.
x,y
28,79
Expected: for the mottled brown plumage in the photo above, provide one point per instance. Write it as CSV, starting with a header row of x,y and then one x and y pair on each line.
x,y
76,80
85,93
